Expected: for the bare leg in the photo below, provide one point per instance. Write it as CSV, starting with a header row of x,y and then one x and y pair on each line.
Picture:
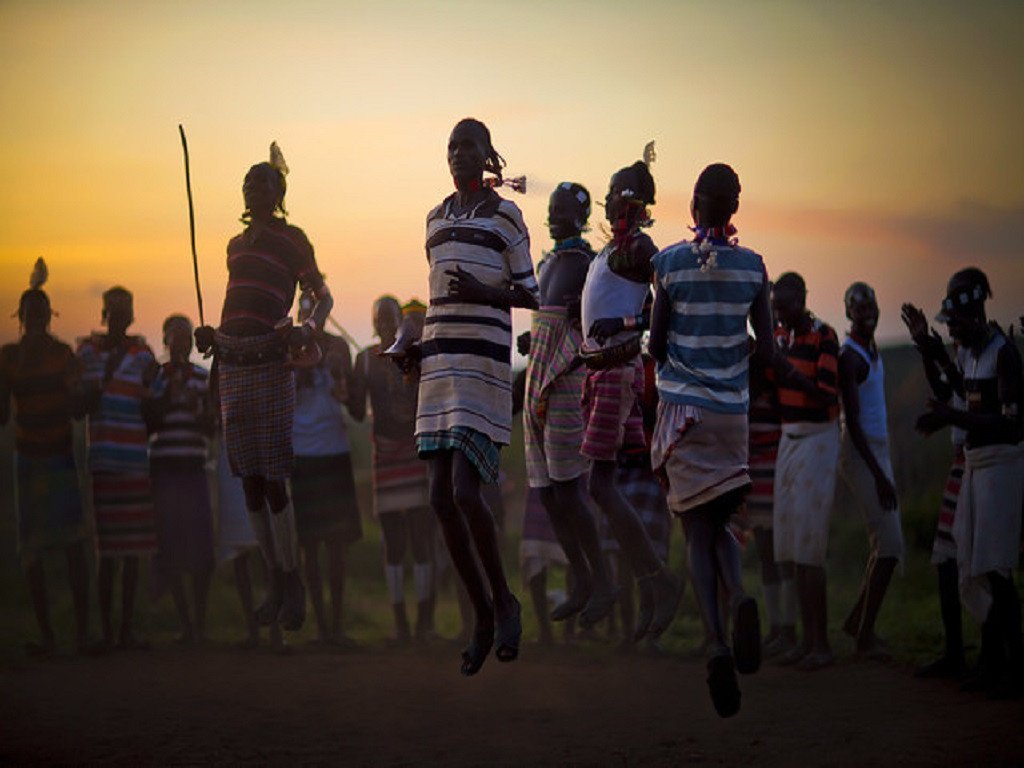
x,y
78,578
337,551
129,583
37,591
286,551
627,607
811,580
181,606
421,534
243,582
457,539
539,597
861,622
393,528
201,592
659,590
311,561
565,532
105,588
470,504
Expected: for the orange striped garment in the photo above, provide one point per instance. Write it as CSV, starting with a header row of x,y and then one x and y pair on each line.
x,y
815,354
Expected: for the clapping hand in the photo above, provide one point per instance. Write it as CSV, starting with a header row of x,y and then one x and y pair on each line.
x,y
464,286
603,329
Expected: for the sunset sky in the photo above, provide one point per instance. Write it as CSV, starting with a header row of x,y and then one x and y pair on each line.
x,y
874,141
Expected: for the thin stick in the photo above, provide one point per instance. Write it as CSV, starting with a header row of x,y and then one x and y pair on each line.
x,y
344,334
192,225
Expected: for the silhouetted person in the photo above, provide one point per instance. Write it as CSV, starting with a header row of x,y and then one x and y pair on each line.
x,y
865,468
706,290
987,373
552,421
117,372
615,307
478,251
181,420
322,482
42,377
400,491
805,471
257,389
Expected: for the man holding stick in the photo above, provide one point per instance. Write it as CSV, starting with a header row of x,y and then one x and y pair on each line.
x,y
257,390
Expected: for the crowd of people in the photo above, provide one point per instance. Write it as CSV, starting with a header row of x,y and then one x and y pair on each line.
x,y
645,396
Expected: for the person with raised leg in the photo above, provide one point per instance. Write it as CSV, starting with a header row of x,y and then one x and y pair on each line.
x,y
615,311
478,252
706,291
552,421
257,388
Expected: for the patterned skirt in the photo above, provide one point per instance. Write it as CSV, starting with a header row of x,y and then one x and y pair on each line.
x,y
399,476
324,498
123,505
48,503
611,396
482,453
257,405
552,418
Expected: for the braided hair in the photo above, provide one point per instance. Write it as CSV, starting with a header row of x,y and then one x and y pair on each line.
x,y
493,161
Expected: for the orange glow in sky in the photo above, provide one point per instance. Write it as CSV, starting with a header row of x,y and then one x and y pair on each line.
x,y
876,142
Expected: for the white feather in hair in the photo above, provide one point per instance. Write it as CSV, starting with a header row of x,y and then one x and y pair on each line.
x,y
277,158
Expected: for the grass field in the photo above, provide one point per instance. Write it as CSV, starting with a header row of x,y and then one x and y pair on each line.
x,y
909,620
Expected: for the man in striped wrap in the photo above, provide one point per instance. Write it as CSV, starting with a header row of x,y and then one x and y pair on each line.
x,y
552,421
478,250
257,389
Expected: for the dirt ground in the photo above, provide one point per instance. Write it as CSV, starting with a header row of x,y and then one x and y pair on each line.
x,y
553,707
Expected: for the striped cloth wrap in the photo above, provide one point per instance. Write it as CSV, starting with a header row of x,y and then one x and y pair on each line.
x,y
611,410
399,476
552,419
125,522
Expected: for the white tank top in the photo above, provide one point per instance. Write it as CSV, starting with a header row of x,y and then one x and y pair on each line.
x,y
606,295
871,394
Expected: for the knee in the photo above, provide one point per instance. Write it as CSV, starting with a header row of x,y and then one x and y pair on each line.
x,y
441,499
599,487
277,495
255,493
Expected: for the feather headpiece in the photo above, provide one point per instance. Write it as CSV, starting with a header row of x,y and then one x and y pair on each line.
x,y
277,159
39,274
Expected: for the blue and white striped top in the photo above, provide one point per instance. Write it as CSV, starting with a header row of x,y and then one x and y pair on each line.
x,y
711,295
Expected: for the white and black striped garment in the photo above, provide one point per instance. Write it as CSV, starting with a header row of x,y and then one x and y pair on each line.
x,y
179,436
466,377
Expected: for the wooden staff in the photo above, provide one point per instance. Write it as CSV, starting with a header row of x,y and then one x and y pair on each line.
x,y
192,225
